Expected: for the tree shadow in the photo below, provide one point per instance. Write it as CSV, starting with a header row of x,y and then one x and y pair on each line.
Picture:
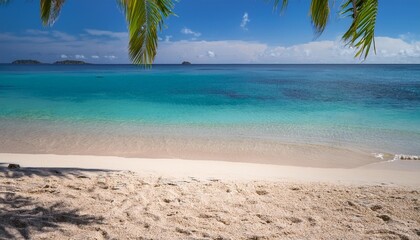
x,y
21,215
46,172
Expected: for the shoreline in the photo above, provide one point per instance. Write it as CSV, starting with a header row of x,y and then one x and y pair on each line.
x,y
193,143
399,173
39,138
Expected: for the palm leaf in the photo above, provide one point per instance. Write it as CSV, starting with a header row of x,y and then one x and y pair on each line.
x,y
145,20
283,5
50,10
361,33
319,12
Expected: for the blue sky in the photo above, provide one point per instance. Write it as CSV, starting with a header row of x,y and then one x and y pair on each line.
x,y
205,31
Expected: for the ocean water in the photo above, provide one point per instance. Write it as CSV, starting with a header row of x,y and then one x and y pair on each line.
x,y
373,107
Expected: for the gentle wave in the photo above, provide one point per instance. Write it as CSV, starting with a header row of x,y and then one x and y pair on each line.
x,y
397,157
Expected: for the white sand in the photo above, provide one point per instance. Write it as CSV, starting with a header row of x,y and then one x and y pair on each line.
x,y
397,172
77,197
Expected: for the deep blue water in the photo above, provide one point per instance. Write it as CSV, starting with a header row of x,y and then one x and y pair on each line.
x,y
372,106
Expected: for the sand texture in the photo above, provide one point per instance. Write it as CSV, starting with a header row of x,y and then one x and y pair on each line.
x,y
47,203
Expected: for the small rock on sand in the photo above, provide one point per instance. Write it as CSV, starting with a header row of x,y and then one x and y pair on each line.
x,y
376,207
261,192
13,166
384,217
183,231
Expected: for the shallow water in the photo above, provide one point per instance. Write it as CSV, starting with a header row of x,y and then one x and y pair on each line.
x,y
370,107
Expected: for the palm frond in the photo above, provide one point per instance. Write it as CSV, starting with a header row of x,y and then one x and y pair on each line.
x,y
319,12
50,10
145,19
361,33
283,7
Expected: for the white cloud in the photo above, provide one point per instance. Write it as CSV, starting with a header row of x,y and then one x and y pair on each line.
x,y
63,56
36,32
188,31
211,54
48,47
63,36
168,38
79,56
110,34
397,48
408,37
390,50
94,56
36,39
110,57
230,51
245,21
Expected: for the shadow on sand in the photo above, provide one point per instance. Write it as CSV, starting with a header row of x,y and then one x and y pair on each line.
x,y
46,172
20,216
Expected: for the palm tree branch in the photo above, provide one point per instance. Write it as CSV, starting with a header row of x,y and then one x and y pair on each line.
x,y
319,11
145,20
361,33
283,7
50,10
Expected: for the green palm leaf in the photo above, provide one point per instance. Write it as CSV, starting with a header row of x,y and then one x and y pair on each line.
x,y
50,10
145,19
283,5
361,33
319,12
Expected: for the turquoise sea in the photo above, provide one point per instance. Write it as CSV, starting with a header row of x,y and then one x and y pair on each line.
x,y
374,107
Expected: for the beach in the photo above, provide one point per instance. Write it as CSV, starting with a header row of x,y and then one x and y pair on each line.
x,y
209,120
209,152
91,197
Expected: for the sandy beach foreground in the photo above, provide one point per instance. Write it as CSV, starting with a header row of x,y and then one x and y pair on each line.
x,y
87,197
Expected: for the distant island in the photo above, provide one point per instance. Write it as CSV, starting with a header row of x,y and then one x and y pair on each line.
x,y
186,63
26,61
70,62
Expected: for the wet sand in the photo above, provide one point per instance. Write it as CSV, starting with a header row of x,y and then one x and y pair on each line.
x,y
65,139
